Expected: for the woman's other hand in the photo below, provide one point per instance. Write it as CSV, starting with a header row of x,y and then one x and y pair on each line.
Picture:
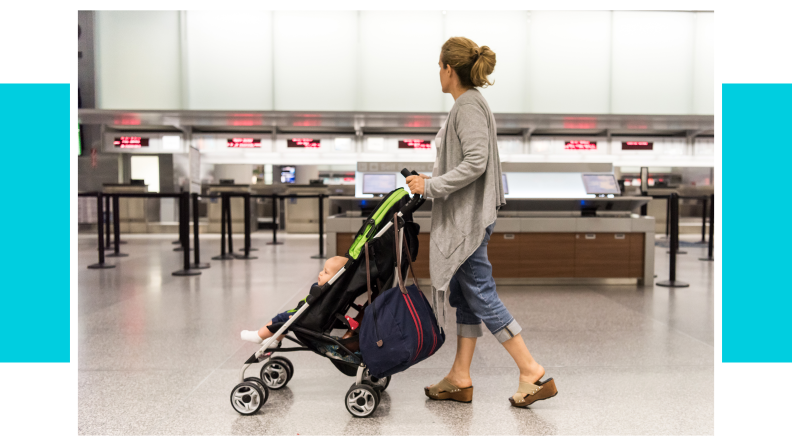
x,y
416,183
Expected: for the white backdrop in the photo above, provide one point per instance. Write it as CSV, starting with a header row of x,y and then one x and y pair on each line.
x,y
631,62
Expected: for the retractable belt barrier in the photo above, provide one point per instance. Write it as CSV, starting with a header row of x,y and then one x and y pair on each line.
x,y
103,205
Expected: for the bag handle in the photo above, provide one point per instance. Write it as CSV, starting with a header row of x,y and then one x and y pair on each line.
x,y
398,258
368,290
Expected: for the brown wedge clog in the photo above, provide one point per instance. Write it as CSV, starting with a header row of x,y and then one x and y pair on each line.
x,y
444,390
540,390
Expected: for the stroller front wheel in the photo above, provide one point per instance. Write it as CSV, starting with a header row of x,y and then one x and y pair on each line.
x,y
275,374
378,383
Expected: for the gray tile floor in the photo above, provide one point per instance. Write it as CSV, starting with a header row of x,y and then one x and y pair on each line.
x,y
159,355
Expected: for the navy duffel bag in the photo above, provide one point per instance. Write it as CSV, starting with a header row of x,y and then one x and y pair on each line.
x,y
399,328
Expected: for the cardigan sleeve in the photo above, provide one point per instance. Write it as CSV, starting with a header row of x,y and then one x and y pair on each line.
x,y
471,127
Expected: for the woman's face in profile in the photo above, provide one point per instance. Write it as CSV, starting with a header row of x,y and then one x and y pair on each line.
x,y
445,75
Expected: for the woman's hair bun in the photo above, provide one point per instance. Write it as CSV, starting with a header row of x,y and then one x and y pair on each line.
x,y
472,63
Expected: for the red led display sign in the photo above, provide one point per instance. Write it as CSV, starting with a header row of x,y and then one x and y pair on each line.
x,y
303,143
130,142
637,145
414,144
580,145
244,143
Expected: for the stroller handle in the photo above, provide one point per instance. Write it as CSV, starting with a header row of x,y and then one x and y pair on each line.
x,y
416,201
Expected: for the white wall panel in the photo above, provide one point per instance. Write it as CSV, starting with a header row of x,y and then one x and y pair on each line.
x,y
569,63
506,33
704,65
652,62
138,60
229,60
399,51
315,60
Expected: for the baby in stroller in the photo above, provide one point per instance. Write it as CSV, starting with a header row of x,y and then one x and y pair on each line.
x,y
331,267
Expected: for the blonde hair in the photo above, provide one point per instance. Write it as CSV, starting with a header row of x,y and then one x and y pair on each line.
x,y
470,62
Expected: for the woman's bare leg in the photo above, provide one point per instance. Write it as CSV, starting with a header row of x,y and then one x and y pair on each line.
x,y
530,370
460,371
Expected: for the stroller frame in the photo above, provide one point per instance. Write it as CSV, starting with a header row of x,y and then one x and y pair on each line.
x,y
363,396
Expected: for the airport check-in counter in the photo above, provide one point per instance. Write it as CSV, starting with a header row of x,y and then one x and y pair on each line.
x,y
132,212
214,207
302,214
536,240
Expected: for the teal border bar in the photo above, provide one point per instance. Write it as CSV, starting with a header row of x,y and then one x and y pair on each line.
x,y
34,226
757,158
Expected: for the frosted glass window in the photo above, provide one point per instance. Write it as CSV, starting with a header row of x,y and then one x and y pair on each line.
x,y
652,62
146,168
398,61
704,65
569,68
315,60
229,60
506,33
138,60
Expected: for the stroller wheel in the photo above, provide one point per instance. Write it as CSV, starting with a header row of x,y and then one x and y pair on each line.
x,y
288,363
275,374
262,386
377,383
247,398
361,400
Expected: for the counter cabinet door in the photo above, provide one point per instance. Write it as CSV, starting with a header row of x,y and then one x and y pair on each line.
x,y
605,255
503,251
547,255
344,241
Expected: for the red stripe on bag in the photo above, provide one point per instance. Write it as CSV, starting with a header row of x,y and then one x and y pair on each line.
x,y
417,322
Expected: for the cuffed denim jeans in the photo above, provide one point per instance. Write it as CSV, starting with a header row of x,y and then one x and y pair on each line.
x,y
472,293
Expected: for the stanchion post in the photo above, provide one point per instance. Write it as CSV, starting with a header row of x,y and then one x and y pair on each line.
x,y
116,230
106,219
246,248
672,282
321,229
100,233
275,220
184,235
703,219
229,226
224,232
668,213
709,257
196,231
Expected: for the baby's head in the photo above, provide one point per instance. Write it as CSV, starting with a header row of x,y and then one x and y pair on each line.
x,y
331,267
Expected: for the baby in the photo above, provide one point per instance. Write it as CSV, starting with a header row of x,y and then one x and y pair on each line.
x,y
331,267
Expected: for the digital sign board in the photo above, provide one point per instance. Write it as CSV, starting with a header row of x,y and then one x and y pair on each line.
x,y
130,142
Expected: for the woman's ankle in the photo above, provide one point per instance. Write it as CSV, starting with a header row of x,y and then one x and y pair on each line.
x,y
532,373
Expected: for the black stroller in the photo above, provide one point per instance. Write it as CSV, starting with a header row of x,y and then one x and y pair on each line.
x,y
326,306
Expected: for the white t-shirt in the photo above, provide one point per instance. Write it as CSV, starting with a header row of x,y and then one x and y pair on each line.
x,y
438,141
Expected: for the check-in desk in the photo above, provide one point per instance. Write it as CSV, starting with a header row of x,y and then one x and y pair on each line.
x,y
302,214
214,207
132,212
540,241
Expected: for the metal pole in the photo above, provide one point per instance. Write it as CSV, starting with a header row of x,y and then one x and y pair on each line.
x,y
100,233
229,225
223,231
668,212
275,220
116,230
672,282
196,241
184,235
106,218
711,231
703,219
321,229
246,249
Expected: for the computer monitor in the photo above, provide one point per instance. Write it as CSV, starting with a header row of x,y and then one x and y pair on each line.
x,y
505,185
378,183
601,184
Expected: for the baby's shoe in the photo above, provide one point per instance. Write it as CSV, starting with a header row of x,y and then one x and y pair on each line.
x,y
251,336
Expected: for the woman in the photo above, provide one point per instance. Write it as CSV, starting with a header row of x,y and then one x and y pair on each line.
x,y
467,192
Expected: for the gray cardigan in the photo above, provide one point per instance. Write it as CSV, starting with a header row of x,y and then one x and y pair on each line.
x,y
468,192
